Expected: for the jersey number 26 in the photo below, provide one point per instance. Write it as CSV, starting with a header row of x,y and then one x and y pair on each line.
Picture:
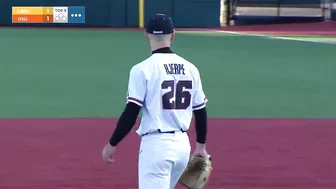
x,y
182,98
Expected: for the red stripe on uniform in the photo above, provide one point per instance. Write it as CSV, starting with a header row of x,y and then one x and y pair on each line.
x,y
134,99
197,106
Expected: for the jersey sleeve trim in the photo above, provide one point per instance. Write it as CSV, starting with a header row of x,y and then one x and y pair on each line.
x,y
135,100
200,106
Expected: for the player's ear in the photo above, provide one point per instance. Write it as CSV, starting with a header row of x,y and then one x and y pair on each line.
x,y
172,36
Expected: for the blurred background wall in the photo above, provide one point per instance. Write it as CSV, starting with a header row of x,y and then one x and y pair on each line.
x,y
128,13
186,13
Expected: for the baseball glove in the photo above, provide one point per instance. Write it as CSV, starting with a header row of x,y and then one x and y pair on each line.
x,y
197,172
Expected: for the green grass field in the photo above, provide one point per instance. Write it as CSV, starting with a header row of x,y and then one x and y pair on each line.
x,y
84,73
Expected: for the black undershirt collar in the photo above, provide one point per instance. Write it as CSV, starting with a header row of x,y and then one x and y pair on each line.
x,y
163,50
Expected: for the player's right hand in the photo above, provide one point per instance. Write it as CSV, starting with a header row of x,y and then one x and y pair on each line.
x,y
107,153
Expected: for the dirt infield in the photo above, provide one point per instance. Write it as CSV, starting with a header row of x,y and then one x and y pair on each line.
x,y
318,28
65,154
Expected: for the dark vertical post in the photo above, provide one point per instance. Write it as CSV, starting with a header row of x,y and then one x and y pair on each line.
x,y
172,16
228,11
126,13
278,7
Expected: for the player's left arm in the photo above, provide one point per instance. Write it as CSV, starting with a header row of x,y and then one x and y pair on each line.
x,y
135,99
199,109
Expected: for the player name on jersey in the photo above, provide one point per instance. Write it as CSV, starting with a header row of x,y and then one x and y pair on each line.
x,y
176,69
48,14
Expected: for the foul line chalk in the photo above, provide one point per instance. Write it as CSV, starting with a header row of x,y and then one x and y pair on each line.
x,y
276,37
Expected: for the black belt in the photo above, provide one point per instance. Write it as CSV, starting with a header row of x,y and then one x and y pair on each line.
x,y
159,131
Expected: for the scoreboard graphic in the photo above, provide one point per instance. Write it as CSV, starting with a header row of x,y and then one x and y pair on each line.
x,y
48,14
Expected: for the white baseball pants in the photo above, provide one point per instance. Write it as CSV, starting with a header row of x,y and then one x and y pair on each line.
x,y
162,159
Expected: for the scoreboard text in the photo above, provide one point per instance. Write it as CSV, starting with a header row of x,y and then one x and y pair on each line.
x,y
48,14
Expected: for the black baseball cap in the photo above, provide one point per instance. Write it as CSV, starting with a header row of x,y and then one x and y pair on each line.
x,y
160,24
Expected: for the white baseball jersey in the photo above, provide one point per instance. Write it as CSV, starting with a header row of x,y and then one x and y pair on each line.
x,y
168,88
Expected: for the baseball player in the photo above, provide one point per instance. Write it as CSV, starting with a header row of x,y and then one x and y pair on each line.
x,y
168,90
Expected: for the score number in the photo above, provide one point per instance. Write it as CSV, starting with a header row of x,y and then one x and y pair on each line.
x,y
47,17
49,12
